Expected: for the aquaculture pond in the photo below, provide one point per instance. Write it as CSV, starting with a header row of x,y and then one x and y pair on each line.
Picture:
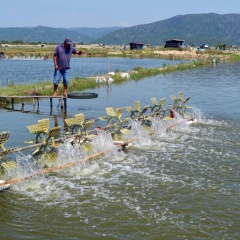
x,y
178,184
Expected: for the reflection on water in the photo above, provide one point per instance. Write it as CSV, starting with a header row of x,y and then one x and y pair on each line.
x,y
179,184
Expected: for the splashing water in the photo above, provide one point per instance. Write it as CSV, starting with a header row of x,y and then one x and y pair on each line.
x,y
26,165
137,132
29,168
197,113
102,142
158,126
69,152
178,122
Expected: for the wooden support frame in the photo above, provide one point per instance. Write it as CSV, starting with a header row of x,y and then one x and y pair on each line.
x,y
64,99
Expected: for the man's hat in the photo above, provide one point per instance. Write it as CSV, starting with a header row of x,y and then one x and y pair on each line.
x,y
68,41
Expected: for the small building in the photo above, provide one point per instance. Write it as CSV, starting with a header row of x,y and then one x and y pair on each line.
x,y
174,43
234,47
136,45
221,46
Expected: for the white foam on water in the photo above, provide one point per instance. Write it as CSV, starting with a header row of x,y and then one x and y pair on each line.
x,y
158,126
69,152
138,133
197,113
206,120
152,180
103,142
25,165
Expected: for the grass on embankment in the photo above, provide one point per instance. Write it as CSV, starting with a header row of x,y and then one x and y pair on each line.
x,y
79,84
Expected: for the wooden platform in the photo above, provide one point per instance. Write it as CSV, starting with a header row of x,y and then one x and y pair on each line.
x,y
64,99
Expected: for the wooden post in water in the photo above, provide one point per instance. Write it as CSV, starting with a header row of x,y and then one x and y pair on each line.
x,y
12,103
65,103
51,103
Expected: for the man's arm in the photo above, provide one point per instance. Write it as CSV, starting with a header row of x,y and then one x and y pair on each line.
x,y
81,52
55,62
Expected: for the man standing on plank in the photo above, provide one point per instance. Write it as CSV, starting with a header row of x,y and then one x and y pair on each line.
x,y
61,59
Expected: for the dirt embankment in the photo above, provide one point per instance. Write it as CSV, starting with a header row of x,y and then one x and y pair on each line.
x,y
190,53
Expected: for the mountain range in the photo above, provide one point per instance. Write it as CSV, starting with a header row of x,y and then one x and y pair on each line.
x,y
194,29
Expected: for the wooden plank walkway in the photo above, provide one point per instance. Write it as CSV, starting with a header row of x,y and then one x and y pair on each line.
x,y
64,99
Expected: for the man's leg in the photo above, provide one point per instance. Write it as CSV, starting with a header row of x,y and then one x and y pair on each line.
x,y
56,80
65,87
55,89
66,80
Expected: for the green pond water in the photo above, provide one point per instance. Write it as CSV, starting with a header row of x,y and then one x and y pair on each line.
x,y
180,184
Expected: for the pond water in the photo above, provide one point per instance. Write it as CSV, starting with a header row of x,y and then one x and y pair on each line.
x,y
29,71
181,184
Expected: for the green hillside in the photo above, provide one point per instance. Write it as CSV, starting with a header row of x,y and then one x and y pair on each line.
x,y
95,33
193,28
42,34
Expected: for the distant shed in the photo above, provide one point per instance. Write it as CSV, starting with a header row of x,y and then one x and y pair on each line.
x,y
174,43
223,47
136,45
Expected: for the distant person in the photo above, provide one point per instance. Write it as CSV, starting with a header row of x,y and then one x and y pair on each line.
x,y
61,60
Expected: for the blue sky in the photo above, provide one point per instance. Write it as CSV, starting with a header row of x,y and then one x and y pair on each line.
x,y
104,13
